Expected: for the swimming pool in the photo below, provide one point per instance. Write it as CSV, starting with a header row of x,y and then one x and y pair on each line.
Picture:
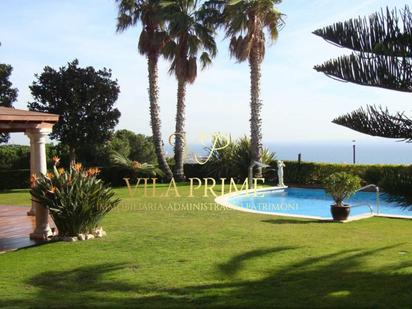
x,y
312,203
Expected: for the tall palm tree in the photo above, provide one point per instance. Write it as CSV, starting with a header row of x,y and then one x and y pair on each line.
x,y
152,40
191,35
245,23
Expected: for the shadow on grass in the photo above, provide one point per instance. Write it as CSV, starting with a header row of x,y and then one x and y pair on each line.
x,y
338,279
235,264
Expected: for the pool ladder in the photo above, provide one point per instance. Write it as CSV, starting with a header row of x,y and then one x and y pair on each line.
x,y
378,202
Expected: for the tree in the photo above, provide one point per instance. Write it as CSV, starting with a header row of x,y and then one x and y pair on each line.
x,y
151,41
245,23
135,147
382,57
8,95
84,99
190,35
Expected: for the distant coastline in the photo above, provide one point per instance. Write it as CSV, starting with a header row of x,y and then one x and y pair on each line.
x,y
335,152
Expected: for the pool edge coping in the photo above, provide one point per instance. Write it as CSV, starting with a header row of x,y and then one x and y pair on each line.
x,y
223,200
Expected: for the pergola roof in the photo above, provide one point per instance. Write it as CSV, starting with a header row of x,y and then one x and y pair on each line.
x,y
18,120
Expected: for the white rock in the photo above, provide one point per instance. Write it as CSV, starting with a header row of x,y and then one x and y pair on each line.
x,y
81,237
99,233
69,239
89,236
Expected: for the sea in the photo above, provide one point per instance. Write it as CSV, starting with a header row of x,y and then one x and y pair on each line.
x,y
387,152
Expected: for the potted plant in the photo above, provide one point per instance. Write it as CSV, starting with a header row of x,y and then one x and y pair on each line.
x,y
341,186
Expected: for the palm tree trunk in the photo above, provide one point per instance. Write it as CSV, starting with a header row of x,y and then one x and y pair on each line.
x,y
155,115
180,137
255,109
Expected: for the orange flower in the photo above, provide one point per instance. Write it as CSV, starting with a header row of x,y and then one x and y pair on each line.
x,y
77,167
136,164
61,171
33,179
50,175
52,189
56,160
93,171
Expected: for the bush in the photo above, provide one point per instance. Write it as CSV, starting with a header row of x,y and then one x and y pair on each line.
x,y
398,185
14,179
310,173
231,159
342,186
76,199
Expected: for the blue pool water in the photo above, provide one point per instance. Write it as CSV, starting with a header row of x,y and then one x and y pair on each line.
x,y
314,203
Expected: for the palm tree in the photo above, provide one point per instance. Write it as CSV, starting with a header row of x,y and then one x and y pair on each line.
x,y
152,40
191,35
245,23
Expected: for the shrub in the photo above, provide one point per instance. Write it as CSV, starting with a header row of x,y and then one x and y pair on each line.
x,y
76,199
231,159
398,185
137,168
342,186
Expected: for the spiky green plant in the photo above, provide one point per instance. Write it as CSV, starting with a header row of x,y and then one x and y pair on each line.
x,y
76,199
135,166
232,158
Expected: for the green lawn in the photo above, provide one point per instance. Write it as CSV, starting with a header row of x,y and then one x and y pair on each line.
x,y
161,253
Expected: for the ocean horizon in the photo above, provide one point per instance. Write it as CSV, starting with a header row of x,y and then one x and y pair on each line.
x,y
386,152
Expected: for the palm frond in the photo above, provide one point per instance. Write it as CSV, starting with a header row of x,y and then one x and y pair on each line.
x,y
119,160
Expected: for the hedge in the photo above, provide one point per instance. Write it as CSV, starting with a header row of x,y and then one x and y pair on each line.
x,y
304,173
314,173
14,179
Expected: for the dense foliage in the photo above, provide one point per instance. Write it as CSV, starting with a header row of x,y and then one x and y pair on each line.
x,y
232,158
342,186
76,198
8,94
398,185
136,147
136,167
84,99
14,157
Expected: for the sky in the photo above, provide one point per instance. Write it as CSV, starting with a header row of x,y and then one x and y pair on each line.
x,y
299,103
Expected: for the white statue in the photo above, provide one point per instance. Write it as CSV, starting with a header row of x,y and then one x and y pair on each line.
x,y
281,165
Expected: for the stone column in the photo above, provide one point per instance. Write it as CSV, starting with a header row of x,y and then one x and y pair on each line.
x,y
32,211
39,166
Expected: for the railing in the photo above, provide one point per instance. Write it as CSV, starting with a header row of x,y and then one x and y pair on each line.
x,y
364,204
378,202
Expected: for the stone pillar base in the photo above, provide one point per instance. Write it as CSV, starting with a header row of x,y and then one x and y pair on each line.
x,y
31,212
41,234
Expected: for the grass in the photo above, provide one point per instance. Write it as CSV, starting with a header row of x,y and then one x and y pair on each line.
x,y
171,253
